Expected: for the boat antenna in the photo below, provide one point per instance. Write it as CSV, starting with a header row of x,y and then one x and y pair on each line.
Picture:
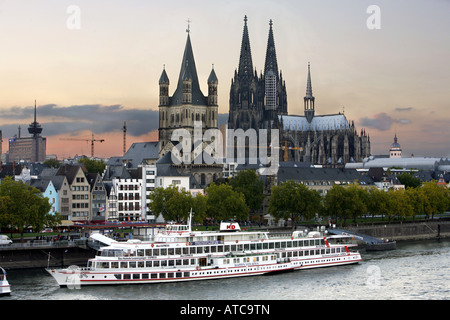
x,y
190,221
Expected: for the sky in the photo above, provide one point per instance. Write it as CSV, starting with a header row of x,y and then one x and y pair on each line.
x,y
91,65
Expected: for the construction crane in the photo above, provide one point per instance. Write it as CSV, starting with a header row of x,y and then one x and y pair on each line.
x,y
286,149
91,140
124,129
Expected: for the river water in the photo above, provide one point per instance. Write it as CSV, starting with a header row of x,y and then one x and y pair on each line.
x,y
416,270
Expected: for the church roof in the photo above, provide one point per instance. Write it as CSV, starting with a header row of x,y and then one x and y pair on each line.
x,y
318,123
188,69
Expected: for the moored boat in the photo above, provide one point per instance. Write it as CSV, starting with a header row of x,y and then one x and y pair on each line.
x,y
5,287
381,246
178,253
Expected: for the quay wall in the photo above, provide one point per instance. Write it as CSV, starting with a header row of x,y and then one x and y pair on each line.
x,y
39,258
405,231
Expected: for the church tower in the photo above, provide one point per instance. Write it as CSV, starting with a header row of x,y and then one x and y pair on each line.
x,y
245,105
187,104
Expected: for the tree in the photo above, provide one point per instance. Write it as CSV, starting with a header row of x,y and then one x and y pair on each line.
x,y
199,207
92,165
346,202
22,206
400,204
292,200
174,204
52,163
437,202
378,202
224,203
409,180
251,186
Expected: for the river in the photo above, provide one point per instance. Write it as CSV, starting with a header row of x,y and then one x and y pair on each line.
x,y
418,270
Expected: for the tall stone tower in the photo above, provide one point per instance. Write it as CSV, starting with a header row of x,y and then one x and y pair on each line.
x,y
187,104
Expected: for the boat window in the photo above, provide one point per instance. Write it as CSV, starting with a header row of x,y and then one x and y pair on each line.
x,y
219,248
185,250
192,250
178,251
154,276
148,252
140,264
140,252
145,276
192,261
170,251
156,263
246,247
206,249
185,262
114,264
170,275
123,264
252,246
178,262
283,244
127,276
259,246
118,276
132,264
277,245
271,245
171,262
148,264
317,242
163,252
213,249
162,275
289,244
233,247
163,263
240,247
179,275
227,248
136,276
265,245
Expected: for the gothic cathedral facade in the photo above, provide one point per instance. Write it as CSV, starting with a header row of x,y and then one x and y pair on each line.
x,y
260,102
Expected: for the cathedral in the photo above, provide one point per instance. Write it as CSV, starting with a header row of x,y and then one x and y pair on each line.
x,y
260,102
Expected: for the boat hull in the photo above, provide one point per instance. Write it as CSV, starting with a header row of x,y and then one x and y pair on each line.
x,y
74,278
392,245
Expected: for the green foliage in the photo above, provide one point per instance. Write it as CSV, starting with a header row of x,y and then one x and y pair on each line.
x,y
52,163
174,204
293,200
251,186
92,165
23,206
224,203
409,180
346,202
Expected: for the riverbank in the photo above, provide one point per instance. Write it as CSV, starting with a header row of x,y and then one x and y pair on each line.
x,y
421,230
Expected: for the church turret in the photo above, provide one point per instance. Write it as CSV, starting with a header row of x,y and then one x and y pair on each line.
x,y
212,88
309,98
164,89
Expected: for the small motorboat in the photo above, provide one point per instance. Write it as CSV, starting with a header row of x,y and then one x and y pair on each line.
x,y
5,288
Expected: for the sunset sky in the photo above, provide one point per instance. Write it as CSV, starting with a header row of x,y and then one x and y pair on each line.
x,y
91,65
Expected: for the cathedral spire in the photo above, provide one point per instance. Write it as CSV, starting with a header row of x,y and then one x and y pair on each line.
x,y
309,98
271,55
308,84
245,70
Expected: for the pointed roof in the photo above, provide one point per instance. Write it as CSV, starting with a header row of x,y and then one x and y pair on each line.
x,y
164,78
308,85
188,69
245,70
271,55
212,77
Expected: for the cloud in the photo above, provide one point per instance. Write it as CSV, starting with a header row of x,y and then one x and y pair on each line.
x,y
97,118
381,121
404,109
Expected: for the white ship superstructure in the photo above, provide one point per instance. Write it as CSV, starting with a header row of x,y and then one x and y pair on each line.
x,y
179,254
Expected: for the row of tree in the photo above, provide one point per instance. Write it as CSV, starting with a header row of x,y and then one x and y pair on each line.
x,y
243,195
23,207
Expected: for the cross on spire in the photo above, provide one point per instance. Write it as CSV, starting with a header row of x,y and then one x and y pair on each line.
x,y
188,30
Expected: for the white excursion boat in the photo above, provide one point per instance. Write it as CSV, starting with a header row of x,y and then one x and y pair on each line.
x,y
5,288
179,254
